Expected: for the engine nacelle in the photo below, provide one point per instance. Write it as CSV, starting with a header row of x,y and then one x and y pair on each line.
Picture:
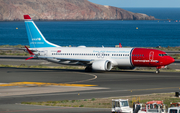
x,y
102,65
130,67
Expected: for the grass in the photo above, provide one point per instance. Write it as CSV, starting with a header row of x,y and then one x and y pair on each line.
x,y
41,66
13,46
159,48
167,48
175,56
13,53
106,102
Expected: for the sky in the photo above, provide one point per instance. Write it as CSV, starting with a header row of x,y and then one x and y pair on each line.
x,y
139,3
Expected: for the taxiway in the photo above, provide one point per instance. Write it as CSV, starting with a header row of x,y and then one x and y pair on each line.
x,y
22,84
106,84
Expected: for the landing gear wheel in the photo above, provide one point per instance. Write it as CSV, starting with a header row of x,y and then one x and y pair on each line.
x,y
157,71
88,69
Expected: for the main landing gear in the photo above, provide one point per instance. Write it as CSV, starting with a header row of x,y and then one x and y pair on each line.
x,y
88,68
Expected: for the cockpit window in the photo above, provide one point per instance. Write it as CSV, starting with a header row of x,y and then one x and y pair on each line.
x,y
163,55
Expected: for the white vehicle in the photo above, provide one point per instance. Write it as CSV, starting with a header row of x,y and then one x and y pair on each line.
x,y
174,110
121,106
152,107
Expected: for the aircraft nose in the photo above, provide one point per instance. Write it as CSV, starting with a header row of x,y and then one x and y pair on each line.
x,y
171,60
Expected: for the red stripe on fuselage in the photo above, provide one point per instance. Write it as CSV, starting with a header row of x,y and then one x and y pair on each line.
x,y
149,58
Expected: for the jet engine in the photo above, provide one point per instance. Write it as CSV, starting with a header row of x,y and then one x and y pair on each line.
x,y
102,65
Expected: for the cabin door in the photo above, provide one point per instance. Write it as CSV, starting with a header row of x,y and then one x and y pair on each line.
x,y
151,57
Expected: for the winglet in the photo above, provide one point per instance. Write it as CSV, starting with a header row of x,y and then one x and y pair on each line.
x,y
27,17
30,52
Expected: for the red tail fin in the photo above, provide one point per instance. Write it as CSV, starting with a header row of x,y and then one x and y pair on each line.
x,y
27,17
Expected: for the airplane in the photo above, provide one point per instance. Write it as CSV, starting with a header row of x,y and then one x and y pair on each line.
x,y
94,58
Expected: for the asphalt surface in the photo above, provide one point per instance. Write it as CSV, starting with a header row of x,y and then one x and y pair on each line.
x,y
109,84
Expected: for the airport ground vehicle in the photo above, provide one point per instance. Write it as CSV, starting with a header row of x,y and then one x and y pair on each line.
x,y
174,110
177,104
121,106
153,107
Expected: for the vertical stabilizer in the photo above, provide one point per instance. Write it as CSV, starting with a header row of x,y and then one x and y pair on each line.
x,y
35,37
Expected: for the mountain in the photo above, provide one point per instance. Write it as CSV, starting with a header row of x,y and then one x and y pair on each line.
x,y
64,10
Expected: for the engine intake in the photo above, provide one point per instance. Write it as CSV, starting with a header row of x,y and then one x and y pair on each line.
x,y
102,65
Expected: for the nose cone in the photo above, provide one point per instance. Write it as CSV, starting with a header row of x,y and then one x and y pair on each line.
x,y
170,60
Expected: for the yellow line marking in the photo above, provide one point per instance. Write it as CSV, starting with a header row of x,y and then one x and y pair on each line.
x,y
46,84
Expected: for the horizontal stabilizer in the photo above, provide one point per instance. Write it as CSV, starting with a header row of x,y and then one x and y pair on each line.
x,y
30,52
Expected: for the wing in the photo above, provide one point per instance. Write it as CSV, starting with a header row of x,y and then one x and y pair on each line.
x,y
84,61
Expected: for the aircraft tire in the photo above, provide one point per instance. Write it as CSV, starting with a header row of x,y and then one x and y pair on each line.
x,y
88,69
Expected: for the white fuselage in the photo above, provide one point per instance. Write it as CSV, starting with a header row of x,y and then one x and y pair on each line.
x,y
118,56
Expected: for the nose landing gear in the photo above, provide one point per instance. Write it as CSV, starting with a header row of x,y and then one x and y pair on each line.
x,y
159,67
157,70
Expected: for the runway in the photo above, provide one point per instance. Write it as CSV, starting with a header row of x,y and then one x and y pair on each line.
x,y
107,84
